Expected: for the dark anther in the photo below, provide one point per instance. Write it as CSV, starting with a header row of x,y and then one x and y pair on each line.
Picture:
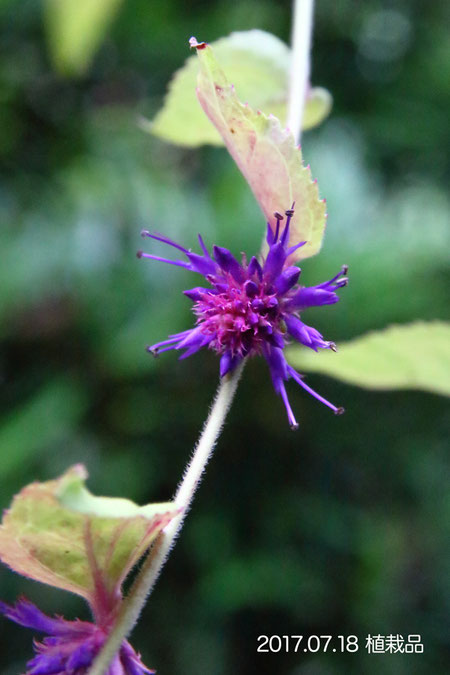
x,y
145,233
289,212
294,427
278,216
153,351
333,347
344,269
340,411
139,254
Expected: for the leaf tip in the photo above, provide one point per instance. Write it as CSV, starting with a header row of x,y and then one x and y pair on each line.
x,y
193,44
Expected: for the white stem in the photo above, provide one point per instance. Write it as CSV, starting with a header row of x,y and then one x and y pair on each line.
x,y
158,555
300,64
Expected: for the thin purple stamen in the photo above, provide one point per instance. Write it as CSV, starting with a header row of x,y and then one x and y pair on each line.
x,y
164,240
291,250
292,421
293,373
279,218
177,263
203,246
285,236
343,271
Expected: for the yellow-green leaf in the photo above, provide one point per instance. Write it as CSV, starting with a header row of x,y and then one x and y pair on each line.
x,y
75,30
265,153
317,107
58,533
412,356
257,63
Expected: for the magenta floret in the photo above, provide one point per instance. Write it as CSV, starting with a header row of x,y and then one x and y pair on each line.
x,y
69,647
252,308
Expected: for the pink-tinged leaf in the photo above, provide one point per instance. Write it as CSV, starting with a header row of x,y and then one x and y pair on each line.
x,y
58,533
266,155
258,64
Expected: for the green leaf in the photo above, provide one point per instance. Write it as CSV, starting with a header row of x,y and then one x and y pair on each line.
x,y
58,533
75,30
266,155
258,65
317,108
413,356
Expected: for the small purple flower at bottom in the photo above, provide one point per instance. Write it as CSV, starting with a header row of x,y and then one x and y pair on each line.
x,y
252,308
70,646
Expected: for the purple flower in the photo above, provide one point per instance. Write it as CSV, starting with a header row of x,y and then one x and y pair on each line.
x,y
251,308
70,646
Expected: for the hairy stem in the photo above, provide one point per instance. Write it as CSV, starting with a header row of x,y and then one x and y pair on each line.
x,y
158,555
300,64
153,564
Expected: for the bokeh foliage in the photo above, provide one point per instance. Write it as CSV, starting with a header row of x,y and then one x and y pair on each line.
x,y
338,529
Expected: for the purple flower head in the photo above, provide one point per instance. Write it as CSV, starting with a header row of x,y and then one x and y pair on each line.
x,y
251,307
70,646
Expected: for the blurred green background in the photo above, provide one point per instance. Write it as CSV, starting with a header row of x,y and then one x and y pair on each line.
x,y
338,529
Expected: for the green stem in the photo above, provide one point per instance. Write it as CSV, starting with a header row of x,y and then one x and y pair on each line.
x,y
153,564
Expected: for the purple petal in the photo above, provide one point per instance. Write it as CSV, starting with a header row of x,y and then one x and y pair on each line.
x,y
312,296
116,667
82,656
201,264
194,337
274,262
307,335
196,294
270,236
255,268
287,279
132,661
279,372
291,249
193,342
203,247
251,288
46,664
28,615
258,304
193,350
298,330
228,362
276,339
228,263
277,366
